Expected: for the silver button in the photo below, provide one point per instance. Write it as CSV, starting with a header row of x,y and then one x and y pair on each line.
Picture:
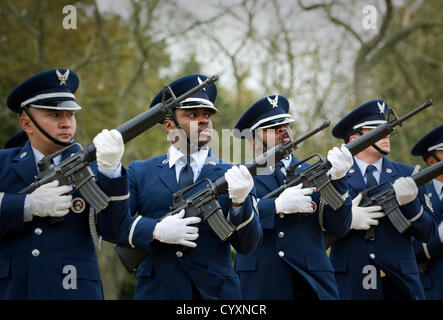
x,y
372,256
281,234
281,253
282,215
38,231
179,254
23,155
35,253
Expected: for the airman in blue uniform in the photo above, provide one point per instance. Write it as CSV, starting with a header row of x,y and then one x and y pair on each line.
x,y
430,254
40,259
291,262
204,270
384,268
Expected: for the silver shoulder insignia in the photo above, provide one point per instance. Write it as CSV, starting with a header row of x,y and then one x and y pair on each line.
x,y
429,202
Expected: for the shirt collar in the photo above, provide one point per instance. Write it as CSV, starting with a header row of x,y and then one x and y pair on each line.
x,y
38,156
175,155
438,186
287,161
363,165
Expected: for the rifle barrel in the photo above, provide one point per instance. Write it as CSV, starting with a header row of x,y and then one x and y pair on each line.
x,y
414,112
134,127
368,139
428,173
142,122
271,156
321,127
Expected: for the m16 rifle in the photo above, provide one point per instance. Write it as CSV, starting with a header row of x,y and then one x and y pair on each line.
x,y
205,202
387,200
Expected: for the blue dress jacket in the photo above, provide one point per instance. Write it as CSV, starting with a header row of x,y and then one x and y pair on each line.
x,y
172,271
40,260
292,244
357,262
430,254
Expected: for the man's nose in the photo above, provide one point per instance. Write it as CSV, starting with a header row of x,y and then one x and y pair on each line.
x,y
65,121
203,119
281,129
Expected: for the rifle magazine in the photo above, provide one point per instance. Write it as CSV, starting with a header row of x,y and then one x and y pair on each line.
x,y
331,196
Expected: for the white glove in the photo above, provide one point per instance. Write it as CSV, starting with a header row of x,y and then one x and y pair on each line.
x,y
405,190
110,148
341,160
48,200
294,199
240,183
364,217
175,229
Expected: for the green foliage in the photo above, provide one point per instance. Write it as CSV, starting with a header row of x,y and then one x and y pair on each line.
x,y
409,75
124,62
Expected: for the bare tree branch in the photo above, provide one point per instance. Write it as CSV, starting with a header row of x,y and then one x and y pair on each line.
x,y
328,9
399,36
411,8
402,63
18,17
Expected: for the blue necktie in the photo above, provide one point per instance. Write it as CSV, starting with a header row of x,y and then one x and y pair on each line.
x,y
370,180
279,175
186,177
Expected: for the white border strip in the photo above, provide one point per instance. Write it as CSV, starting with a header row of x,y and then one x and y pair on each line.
x,y
425,249
278,116
417,216
436,147
241,225
2,194
369,123
131,233
119,198
47,96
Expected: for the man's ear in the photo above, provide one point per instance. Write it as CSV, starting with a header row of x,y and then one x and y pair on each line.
x,y
353,137
25,123
431,161
169,125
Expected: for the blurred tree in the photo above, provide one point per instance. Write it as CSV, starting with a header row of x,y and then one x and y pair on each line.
x,y
316,53
118,63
